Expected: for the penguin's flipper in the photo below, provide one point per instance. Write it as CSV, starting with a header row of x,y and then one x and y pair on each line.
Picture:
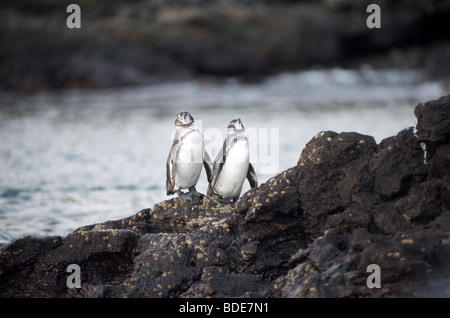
x,y
216,168
170,168
251,176
220,161
210,192
208,166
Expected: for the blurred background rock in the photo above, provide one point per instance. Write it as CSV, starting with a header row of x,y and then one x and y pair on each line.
x,y
143,41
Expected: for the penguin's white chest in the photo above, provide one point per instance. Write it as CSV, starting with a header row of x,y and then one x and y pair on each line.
x,y
234,171
189,160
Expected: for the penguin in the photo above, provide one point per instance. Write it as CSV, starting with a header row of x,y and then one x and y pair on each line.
x,y
186,159
232,166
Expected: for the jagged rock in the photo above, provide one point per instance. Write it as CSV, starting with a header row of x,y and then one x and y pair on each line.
x,y
433,129
310,231
433,122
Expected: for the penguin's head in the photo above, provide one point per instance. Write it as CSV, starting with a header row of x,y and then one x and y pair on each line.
x,y
235,126
184,119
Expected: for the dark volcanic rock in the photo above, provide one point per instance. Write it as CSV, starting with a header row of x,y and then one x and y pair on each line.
x,y
310,231
433,129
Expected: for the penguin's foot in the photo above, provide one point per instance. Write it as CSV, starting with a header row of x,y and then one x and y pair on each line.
x,y
184,197
226,201
219,198
193,191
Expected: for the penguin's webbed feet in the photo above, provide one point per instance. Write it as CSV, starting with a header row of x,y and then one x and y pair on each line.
x,y
194,191
184,197
219,198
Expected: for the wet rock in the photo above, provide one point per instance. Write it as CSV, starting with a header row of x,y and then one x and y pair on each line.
x,y
310,231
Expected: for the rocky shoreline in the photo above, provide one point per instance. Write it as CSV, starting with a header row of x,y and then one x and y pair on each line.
x,y
310,231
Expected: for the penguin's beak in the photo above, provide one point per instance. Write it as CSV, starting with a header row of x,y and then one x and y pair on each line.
x,y
185,118
239,125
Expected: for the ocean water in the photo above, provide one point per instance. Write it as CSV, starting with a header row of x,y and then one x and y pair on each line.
x,y
78,157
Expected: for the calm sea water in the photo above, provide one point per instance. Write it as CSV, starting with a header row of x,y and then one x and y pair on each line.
x,y
73,158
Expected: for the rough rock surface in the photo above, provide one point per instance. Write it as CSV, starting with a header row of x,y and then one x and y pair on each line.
x,y
310,231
